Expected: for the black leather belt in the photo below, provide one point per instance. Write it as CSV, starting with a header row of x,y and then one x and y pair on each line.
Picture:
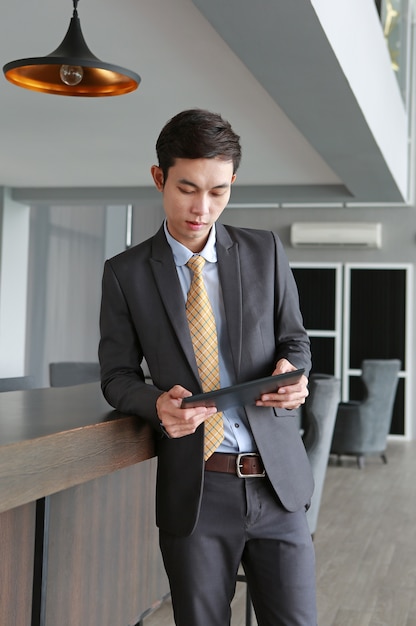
x,y
246,465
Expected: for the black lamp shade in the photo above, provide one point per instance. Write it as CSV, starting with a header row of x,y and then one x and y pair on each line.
x,y
99,78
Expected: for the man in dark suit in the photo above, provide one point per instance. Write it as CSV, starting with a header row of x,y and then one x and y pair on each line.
x,y
246,502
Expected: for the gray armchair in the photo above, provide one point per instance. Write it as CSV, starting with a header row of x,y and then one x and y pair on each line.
x,y
319,413
361,428
68,373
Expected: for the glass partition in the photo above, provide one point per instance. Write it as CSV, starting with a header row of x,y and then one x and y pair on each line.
x,y
395,16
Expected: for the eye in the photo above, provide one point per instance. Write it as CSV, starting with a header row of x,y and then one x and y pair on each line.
x,y
186,190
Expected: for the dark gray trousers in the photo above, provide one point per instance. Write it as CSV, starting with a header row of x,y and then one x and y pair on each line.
x,y
242,520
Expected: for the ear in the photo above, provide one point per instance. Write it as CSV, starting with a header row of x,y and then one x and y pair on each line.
x,y
157,176
234,176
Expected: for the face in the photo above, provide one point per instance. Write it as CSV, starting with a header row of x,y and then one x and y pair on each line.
x,y
194,195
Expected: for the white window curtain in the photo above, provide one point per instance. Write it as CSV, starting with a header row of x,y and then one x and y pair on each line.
x,y
67,252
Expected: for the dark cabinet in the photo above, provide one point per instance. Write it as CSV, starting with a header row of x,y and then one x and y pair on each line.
x,y
320,301
354,312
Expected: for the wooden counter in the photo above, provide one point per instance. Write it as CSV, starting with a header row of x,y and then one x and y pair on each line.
x,y
77,534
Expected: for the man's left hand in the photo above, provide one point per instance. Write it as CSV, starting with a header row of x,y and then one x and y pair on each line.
x,y
290,396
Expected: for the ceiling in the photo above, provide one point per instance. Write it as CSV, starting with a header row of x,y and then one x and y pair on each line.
x,y
266,66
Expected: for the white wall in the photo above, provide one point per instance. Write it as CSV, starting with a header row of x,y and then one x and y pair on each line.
x,y
354,33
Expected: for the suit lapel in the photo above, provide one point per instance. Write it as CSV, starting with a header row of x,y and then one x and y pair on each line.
x,y
166,279
230,278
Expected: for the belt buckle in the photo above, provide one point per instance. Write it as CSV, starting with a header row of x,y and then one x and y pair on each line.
x,y
239,466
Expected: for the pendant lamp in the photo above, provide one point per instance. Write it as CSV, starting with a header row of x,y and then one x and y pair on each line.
x,y
71,70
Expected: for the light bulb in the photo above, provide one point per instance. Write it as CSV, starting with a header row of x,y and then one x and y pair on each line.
x,y
71,74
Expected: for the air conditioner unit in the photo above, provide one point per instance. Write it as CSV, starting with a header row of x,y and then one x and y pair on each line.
x,y
336,234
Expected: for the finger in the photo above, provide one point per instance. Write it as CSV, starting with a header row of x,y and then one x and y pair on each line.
x,y
182,422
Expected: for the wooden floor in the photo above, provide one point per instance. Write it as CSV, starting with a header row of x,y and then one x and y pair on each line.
x,y
365,546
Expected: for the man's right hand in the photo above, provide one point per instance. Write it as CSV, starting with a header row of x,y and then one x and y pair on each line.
x,y
178,422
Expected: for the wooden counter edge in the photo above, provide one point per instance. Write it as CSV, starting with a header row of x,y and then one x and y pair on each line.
x,y
36,468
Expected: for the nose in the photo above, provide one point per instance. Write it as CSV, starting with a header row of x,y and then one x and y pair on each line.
x,y
200,205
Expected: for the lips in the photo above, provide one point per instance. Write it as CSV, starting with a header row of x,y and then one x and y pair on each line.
x,y
196,224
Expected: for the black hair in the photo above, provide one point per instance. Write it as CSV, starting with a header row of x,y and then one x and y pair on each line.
x,y
196,134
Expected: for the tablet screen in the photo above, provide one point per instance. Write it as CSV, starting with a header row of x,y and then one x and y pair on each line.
x,y
243,393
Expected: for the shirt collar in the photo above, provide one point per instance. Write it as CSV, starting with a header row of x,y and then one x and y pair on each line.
x,y
182,254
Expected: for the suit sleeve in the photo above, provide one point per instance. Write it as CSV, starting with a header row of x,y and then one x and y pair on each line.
x,y
292,341
120,354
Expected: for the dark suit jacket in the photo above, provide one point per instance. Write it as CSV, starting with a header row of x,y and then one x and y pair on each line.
x,y
143,315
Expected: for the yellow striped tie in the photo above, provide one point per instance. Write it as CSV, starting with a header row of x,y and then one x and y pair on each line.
x,y
204,339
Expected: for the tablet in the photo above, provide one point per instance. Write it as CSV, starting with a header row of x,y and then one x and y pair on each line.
x,y
243,393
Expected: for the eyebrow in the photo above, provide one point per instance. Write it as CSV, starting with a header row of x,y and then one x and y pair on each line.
x,y
185,181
